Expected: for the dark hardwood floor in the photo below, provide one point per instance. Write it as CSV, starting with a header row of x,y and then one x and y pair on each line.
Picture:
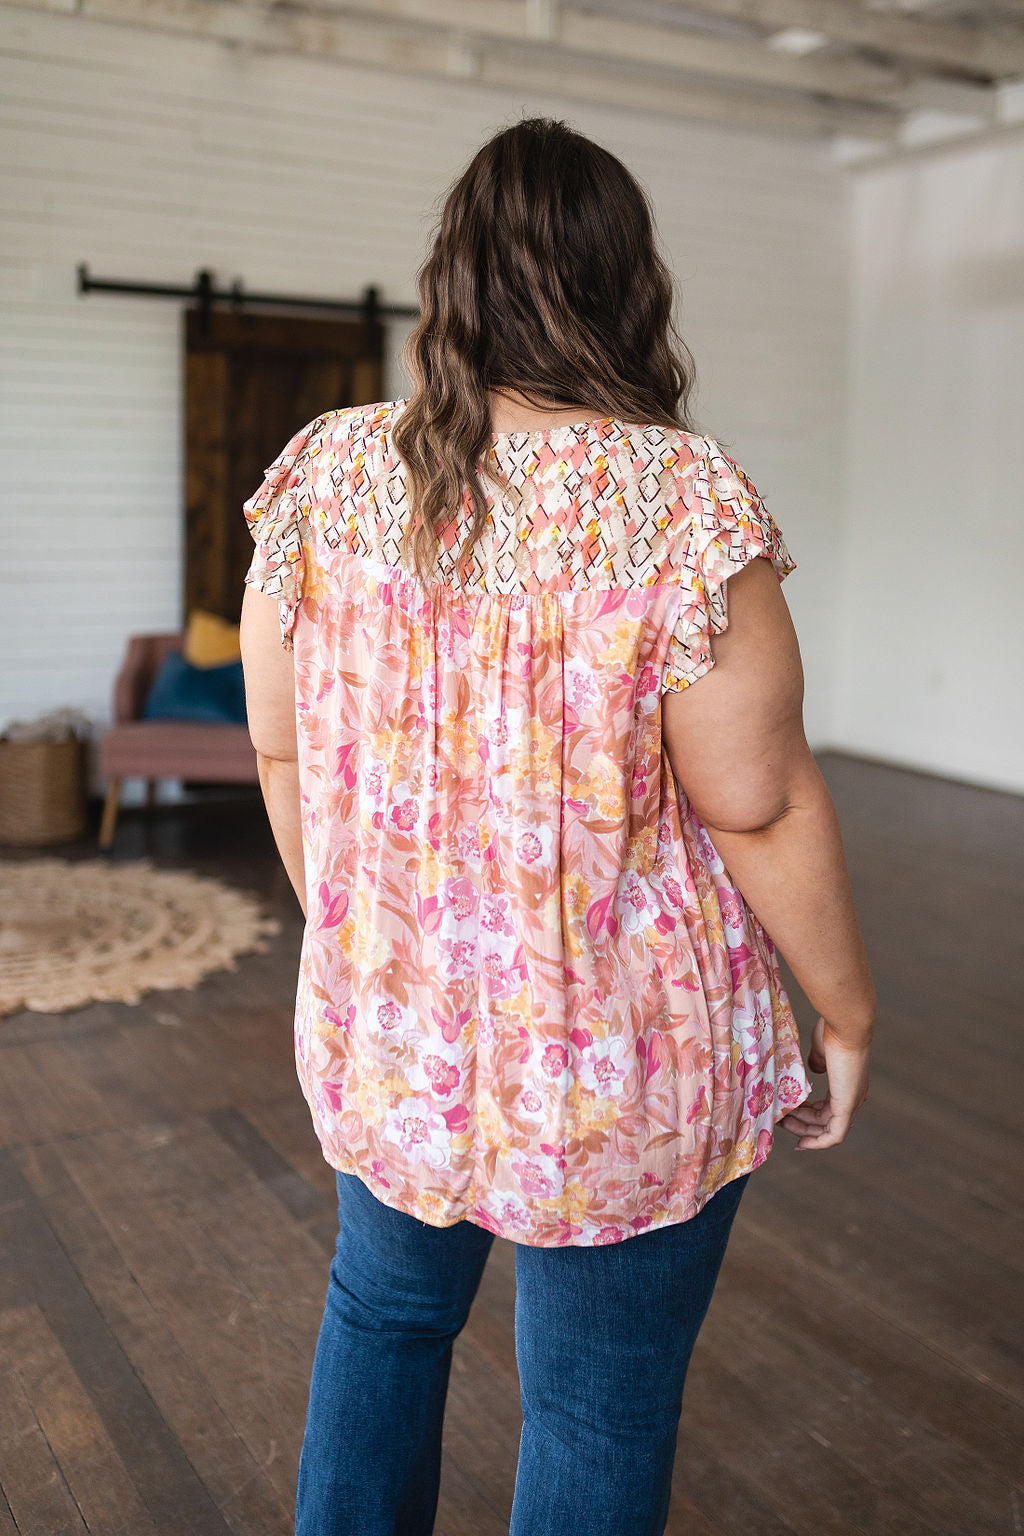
x,y
166,1220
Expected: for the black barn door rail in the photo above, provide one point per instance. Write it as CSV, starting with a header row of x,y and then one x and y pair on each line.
x,y
205,294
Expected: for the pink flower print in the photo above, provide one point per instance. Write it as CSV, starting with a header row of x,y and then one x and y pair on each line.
x,y
514,1214
531,1101
632,903
760,1099
583,690
375,783
444,639
468,843
533,1179
442,1075
646,1179
648,682
485,1031
529,847
389,1014
377,1170
495,917
420,1131
554,1059
459,895
789,1091
456,1118
673,890
730,905
404,814
503,981
609,1235
459,957
498,730
492,968
708,851
452,645
603,1066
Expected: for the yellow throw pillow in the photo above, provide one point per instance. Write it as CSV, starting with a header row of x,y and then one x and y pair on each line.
x,y
210,641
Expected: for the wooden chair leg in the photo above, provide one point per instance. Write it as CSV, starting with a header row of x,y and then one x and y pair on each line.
x,y
109,819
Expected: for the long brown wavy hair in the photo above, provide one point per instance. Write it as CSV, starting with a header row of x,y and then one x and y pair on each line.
x,y
544,277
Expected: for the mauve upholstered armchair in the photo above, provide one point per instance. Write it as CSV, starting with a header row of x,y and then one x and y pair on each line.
x,y
163,749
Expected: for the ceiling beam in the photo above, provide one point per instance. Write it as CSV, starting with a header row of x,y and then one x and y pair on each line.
x,y
994,8
956,47
374,41
615,40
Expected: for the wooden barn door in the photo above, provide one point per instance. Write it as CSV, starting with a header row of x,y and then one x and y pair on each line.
x,y
251,381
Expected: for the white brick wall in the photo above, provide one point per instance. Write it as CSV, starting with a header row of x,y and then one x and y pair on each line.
x,y
150,156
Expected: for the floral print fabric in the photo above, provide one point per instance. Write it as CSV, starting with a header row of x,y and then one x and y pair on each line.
x,y
529,995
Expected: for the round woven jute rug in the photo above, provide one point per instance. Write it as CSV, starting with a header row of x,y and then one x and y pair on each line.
x,y
73,933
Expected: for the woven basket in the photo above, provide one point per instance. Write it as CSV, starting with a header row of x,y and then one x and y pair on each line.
x,y
42,791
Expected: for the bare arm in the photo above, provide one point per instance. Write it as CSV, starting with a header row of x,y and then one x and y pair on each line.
x,y
735,741
270,705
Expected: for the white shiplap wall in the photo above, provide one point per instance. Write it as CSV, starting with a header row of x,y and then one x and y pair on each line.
x,y
150,156
931,629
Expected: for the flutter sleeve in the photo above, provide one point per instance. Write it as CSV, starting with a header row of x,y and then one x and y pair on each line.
x,y
277,518
730,527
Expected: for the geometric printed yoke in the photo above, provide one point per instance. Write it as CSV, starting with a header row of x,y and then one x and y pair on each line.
x,y
581,506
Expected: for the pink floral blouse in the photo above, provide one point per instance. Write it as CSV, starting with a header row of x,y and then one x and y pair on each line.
x,y
529,995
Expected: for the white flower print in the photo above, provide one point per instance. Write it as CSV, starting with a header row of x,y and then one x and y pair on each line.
x,y
420,1131
603,1066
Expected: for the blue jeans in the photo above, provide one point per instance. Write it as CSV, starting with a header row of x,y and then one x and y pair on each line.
x,y
603,1340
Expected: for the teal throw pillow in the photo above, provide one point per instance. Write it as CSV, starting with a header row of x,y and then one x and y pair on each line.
x,y
183,692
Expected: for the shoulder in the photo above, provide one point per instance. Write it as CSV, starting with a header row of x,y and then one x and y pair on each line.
x,y
719,513
691,449
336,449
357,426
708,468
672,453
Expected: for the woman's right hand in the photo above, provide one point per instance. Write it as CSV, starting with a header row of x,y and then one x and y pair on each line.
x,y
822,1123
